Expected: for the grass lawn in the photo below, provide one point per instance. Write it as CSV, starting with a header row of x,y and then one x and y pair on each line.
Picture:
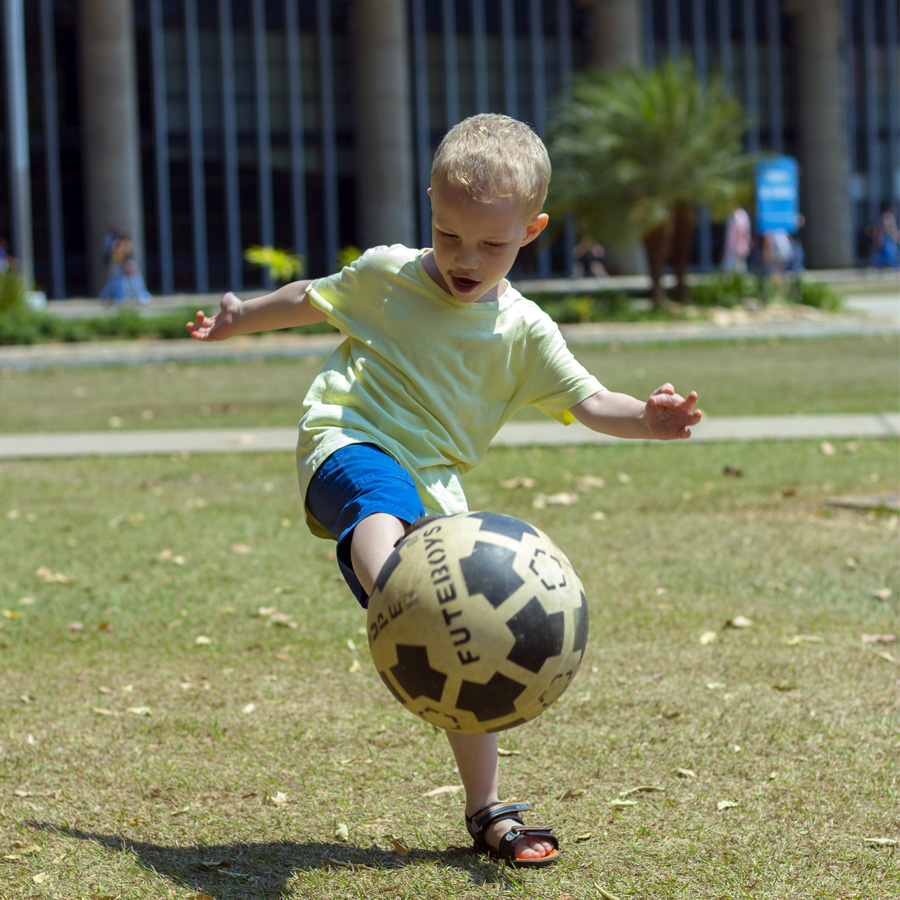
x,y
844,375
187,709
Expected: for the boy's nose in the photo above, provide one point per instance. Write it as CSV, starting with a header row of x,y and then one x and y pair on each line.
x,y
466,258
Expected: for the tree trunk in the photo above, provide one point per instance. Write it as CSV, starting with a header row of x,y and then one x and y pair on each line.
x,y
684,226
656,244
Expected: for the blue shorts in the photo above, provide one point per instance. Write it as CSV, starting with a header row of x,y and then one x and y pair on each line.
x,y
353,483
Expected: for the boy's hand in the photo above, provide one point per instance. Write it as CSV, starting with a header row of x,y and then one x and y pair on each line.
x,y
222,325
669,415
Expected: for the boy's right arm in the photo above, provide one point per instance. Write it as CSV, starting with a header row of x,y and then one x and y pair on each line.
x,y
287,307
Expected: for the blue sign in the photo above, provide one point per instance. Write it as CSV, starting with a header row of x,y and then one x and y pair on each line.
x,y
777,194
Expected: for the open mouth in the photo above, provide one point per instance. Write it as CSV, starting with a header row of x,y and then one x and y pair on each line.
x,y
464,285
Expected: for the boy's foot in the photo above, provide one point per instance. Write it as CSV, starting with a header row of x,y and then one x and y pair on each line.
x,y
498,831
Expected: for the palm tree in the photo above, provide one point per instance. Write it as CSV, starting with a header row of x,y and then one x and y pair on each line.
x,y
635,153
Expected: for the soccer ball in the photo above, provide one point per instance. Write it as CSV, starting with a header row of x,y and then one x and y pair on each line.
x,y
477,622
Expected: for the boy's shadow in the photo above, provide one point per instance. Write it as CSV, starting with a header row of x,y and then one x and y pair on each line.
x,y
228,871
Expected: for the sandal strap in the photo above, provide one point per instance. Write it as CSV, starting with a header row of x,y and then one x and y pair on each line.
x,y
492,813
508,843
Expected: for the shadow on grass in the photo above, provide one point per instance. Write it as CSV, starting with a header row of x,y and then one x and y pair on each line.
x,y
262,871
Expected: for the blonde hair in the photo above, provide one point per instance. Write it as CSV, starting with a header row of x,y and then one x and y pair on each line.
x,y
491,156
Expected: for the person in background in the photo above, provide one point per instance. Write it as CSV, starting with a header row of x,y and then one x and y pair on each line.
x,y
588,258
125,279
738,241
884,237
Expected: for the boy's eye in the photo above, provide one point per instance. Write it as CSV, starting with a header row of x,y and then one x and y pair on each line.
x,y
494,244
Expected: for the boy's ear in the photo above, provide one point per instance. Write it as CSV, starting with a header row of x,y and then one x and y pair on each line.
x,y
534,228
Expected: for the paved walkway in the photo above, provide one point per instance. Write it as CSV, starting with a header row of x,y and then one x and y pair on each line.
x,y
864,315
283,440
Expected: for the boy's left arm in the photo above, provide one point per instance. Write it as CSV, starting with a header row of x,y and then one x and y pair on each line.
x,y
666,416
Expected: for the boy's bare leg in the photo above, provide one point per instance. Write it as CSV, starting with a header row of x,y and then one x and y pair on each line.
x,y
477,760
476,754
373,542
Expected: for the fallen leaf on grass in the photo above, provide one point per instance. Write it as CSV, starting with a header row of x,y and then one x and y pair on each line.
x,y
213,865
798,639
12,614
739,622
889,658
248,709
503,752
725,804
618,802
398,845
570,795
642,789
878,638
25,848
53,577
708,637
342,832
880,594
241,548
827,448
279,799
202,640
686,773
563,499
142,711
513,483
606,895
446,789
40,878
580,838
358,867
881,842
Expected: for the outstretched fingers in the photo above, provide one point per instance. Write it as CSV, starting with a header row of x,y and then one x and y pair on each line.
x,y
202,327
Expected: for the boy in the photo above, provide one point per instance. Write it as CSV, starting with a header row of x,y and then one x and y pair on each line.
x,y
440,351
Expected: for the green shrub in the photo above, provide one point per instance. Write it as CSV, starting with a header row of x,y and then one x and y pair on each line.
x,y
727,289
819,295
13,290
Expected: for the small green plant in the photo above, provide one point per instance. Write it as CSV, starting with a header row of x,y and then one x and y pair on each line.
x,y
282,265
729,289
13,290
819,295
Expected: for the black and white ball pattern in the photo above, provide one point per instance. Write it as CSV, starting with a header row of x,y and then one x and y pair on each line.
x,y
478,622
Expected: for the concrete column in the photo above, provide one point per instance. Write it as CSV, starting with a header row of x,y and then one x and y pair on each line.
x,y
822,134
109,126
616,33
384,141
616,30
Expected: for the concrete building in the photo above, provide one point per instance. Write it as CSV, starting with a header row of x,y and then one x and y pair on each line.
x,y
204,126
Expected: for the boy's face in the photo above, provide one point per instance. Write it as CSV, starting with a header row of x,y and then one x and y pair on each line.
x,y
475,244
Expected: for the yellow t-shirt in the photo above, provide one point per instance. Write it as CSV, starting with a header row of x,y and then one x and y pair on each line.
x,y
426,378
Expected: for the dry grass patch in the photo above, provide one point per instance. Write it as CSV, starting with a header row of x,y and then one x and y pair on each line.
x,y
731,732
